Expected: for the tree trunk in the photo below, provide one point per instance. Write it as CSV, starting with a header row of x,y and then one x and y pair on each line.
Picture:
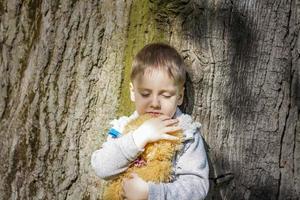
x,y
65,74
61,65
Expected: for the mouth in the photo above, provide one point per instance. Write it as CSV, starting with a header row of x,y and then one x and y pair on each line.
x,y
154,114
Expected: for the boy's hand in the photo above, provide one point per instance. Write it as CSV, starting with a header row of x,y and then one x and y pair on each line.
x,y
135,188
155,129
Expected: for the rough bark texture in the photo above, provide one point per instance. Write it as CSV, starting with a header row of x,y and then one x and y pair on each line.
x,y
61,65
64,72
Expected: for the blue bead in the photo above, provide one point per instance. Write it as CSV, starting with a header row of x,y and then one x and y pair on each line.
x,y
114,133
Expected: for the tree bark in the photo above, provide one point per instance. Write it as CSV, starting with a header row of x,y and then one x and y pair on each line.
x,y
60,74
65,74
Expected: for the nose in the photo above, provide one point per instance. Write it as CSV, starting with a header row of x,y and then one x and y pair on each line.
x,y
155,103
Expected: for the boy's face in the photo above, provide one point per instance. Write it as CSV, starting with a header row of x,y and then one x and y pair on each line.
x,y
155,92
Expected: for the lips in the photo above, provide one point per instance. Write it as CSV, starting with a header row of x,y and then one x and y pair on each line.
x,y
154,114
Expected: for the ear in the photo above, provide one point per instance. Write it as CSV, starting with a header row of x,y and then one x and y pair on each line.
x,y
131,89
180,96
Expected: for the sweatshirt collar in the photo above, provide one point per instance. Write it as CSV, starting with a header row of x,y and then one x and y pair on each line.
x,y
186,122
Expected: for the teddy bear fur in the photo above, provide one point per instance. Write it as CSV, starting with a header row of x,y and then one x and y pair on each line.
x,y
155,163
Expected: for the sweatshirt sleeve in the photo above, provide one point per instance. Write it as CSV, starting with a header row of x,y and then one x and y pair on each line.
x,y
191,172
114,156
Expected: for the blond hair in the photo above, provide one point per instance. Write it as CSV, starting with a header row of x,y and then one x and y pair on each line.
x,y
159,56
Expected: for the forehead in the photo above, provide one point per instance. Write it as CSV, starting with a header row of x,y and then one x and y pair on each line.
x,y
154,75
155,79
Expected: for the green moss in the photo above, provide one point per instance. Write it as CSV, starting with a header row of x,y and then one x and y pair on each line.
x,y
142,29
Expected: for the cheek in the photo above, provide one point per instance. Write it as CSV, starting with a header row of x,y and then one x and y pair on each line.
x,y
141,102
169,109
169,104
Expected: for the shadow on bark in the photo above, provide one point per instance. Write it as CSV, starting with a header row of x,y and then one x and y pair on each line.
x,y
189,96
200,21
239,100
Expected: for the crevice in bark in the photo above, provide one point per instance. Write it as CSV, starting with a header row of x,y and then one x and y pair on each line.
x,y
279,186
283,134
288,22
223,178
18,14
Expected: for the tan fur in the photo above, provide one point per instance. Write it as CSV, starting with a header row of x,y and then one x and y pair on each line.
x,y
158,157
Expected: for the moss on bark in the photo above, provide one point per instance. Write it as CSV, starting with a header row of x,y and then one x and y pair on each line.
x,y
142,29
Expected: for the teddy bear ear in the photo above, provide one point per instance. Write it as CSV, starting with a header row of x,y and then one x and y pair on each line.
x,y
132,95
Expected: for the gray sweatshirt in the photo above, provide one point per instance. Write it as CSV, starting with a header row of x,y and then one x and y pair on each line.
x,y
190,166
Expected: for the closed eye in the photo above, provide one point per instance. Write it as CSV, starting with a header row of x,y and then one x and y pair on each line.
x,y
145,94
167,94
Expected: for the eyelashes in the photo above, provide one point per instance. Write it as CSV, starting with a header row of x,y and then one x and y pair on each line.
x,y
167,96
145,95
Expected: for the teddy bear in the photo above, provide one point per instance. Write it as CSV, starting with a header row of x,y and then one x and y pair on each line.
x,y
154,164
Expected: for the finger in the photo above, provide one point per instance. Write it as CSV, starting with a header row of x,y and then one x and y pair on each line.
x,y
124,186
123,189
134,175
163,117
170,122
125,180
123,193
169,137
170,129
124,197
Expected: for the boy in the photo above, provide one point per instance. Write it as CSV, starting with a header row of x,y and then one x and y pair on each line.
x,y
157,87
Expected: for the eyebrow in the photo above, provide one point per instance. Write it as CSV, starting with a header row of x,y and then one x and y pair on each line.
x,y
143,89
162,91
